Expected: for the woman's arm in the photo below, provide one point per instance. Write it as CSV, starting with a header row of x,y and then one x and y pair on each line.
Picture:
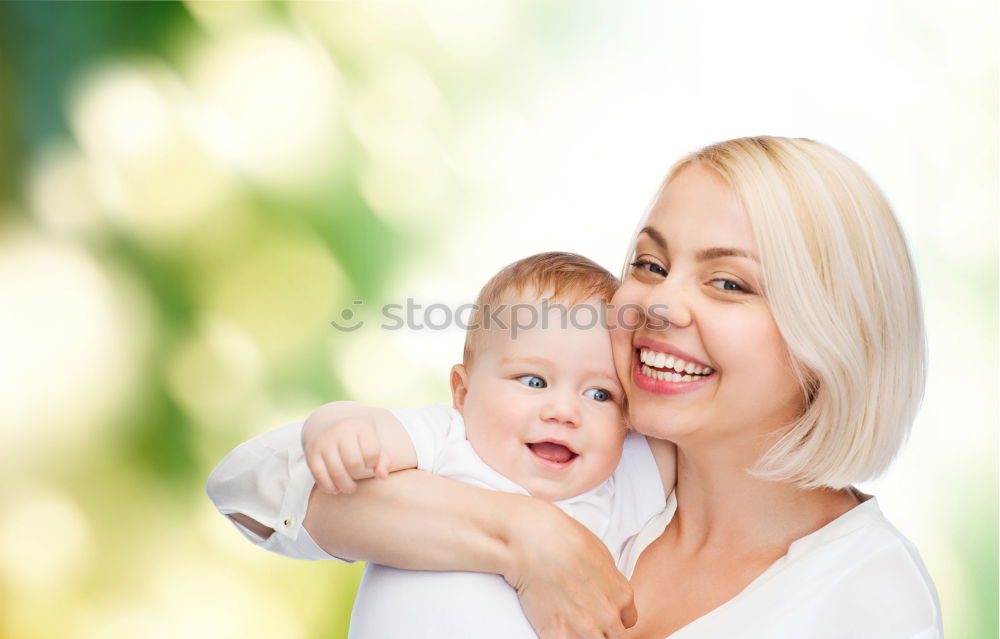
x,y
415,521
564,576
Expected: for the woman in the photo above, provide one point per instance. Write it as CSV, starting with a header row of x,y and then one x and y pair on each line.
x,y
784,271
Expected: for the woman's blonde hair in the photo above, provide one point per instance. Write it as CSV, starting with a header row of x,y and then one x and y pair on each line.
x,y
840,284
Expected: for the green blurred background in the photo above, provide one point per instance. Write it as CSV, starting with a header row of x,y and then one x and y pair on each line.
x,y
191,192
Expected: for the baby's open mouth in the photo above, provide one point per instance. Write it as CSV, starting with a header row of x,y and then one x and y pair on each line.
x,y
553,453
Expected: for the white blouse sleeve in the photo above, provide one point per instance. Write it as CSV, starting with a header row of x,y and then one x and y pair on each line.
x,y
267,479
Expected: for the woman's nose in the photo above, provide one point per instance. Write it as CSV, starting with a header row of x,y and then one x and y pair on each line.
x,y
666,305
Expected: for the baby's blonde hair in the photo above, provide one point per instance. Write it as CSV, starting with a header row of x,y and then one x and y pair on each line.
x,y
559,277
841,286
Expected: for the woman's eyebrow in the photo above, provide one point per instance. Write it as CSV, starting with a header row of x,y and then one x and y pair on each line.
x,y
654,235
715,253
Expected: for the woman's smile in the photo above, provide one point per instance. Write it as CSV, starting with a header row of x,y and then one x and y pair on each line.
x,y
662,368
666,383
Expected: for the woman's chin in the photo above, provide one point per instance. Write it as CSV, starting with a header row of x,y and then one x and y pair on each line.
x,y
674,422
650,422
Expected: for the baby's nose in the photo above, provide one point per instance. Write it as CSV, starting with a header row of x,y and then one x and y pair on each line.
x,y
563,410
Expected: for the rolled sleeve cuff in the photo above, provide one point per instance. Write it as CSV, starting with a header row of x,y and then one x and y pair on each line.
x,y
268,479
290,537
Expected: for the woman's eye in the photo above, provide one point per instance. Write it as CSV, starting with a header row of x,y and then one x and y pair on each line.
x,y
649,267
728,286
598,394
533,381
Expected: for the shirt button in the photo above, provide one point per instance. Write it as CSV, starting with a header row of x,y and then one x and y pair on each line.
x,y
288,522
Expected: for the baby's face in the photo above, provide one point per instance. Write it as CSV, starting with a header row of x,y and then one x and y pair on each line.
x,y
544,407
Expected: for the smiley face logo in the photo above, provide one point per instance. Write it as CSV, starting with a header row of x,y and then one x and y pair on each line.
x,y
347,316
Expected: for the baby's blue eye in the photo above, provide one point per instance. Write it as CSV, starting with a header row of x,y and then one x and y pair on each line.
x,y
533,381
598,394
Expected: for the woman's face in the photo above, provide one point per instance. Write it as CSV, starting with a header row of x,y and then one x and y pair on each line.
x,y
709,364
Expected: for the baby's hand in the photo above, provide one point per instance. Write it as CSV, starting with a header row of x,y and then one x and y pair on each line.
x,y
342,450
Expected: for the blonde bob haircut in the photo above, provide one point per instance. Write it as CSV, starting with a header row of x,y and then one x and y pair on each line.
x,y
840,283
568,278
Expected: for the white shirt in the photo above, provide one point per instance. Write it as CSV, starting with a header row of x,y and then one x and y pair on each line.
x,y
855,578
267,479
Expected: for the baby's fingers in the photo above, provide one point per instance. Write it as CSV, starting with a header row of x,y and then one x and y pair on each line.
x,y
371,448
342,481
318,469
383,465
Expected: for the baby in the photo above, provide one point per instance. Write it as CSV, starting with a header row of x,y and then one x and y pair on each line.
x,y
537,410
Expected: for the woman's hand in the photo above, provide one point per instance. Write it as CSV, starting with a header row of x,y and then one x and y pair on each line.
x,y
565,577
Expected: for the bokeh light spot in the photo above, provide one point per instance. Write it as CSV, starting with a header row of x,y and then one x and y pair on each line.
x,y
45,541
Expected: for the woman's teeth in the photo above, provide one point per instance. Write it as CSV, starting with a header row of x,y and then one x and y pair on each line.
x,y
676,369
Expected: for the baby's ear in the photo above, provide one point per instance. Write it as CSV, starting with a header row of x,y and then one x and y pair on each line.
x,y
459,386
